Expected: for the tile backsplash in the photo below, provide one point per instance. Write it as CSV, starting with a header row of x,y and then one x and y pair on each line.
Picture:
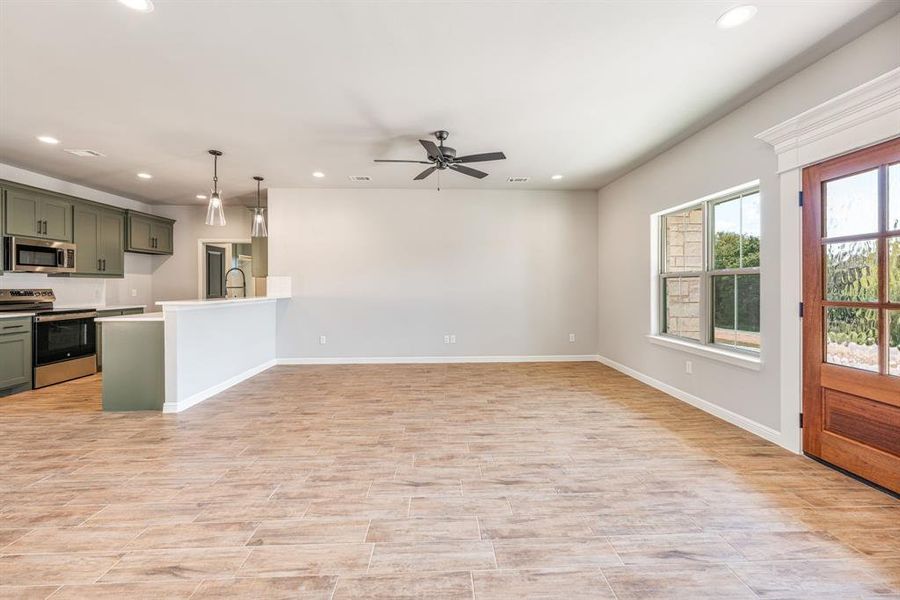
x,y
134,288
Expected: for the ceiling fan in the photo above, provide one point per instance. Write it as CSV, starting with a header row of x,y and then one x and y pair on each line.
x,y
442,157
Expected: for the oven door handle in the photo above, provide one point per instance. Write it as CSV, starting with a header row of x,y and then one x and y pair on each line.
x,y
66,317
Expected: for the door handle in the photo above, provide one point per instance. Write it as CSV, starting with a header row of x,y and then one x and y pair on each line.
x,y
104,264
99,265
45,227
39,225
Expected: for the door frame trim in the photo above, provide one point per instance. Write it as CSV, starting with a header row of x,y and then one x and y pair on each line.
x,y
861,117
201,259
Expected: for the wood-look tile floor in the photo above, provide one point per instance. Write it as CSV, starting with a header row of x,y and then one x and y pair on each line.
x,y
439,481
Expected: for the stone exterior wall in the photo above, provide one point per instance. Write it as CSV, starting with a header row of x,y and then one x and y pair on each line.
x,y
684,252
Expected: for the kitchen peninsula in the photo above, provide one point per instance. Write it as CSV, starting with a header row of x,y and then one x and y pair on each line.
x,y
193,349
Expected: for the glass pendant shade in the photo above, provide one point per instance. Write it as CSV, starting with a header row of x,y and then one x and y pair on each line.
x,y
258,228
215,212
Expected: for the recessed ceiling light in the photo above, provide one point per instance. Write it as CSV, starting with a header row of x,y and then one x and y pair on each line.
x,y
556,177
48,139
145,175
138,5
735,17
201,197
318,174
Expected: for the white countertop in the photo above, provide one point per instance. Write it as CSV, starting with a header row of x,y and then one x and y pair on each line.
x,y
14,315
99,307
213,303
143,318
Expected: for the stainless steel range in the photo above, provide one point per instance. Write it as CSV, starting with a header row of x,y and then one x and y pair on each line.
x,y
64,340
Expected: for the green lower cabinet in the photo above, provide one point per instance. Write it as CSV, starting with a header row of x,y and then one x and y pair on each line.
x,y
134,374
15,355
99,326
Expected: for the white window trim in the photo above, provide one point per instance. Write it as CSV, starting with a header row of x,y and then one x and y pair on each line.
x,y
741,358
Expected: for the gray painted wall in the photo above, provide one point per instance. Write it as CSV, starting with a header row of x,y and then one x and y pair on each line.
x,y
388,273
175,277
722,155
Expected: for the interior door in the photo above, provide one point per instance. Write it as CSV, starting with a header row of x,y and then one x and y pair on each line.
x,y
851,326
215,272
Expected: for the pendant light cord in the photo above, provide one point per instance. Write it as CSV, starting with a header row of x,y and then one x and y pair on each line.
x,y
215,173
257,194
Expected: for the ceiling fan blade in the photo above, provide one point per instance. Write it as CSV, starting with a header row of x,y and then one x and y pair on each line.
x,y
432,149
469,172
480,157
418,162
425,173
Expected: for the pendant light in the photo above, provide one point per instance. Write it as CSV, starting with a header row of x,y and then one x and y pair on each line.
x,y
215,212
258,228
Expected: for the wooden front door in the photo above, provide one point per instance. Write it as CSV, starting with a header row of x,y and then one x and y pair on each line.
x,y
851,325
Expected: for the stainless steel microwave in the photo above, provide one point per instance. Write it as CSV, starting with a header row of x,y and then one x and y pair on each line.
x,y
29,255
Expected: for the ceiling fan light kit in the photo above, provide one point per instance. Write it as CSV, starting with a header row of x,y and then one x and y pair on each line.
x,y
441,158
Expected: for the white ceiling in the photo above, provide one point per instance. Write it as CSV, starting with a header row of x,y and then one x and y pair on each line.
x,y
286,88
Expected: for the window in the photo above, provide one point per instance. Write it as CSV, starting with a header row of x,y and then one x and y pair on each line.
x,y
709,272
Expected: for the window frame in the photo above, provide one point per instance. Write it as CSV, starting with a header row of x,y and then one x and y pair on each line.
x,y
705,275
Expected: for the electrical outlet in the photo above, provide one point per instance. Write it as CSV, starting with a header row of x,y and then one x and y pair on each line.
x,y
323,340
571,337
453,338
133,293
688,367
446,339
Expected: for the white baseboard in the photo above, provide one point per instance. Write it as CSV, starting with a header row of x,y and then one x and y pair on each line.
x,y
763,431
173,407
380,360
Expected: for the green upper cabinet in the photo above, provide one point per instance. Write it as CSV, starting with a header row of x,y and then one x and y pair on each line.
x,y
149,234
22,213
112,242
36,214
87,236
100,240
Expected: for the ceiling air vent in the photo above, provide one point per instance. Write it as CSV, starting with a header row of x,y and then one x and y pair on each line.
x,y
84,152
360,178
517,179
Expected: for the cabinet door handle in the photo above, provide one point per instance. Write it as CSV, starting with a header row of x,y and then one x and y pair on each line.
x,y
45,226
104,264
99,265
39,225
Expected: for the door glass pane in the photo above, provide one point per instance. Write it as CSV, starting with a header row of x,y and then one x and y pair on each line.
x,y
894,341
851,271
736,311
851,204
852,337
682,308
684,240
893,269
894,196
736,228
